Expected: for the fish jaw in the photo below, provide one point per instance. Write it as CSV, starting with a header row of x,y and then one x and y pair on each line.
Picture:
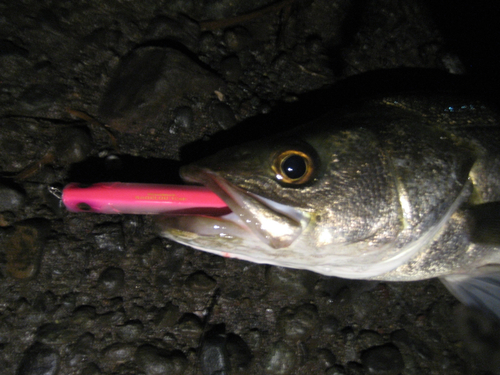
x,y
255,221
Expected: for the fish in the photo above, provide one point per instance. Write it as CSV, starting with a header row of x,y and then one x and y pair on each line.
x,y
395,188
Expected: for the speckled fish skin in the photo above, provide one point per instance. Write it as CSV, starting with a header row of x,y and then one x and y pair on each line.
x,y
389,199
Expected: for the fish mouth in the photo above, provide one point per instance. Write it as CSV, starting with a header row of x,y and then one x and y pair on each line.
x,y
252,217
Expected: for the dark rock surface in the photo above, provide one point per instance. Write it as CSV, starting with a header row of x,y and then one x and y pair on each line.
x,y
101,91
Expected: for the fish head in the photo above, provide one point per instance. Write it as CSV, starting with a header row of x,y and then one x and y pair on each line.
x,y
318,200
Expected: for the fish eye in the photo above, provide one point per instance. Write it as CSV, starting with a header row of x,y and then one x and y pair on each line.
x,y
293,167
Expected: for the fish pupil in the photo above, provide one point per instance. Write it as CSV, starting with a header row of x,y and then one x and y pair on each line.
x,y
294,166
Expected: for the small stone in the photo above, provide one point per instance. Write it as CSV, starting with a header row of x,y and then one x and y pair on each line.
x,y
91,369
109,237
200,281
240,354
111,280
183,120
237,38
154,361
214,357
11,198
118,353
23,248
290,281
190,328
336,370
231,68
299,323
39,359
383,360
281,359
326,357
367,338
131,330
56,334
73,146
222,115
167,316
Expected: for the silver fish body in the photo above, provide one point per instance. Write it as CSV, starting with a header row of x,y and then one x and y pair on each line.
x,y
394,189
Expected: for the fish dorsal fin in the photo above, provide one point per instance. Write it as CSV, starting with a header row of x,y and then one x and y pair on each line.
x,y
485,223
481,290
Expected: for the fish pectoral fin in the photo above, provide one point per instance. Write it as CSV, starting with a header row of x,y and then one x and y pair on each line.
x,y
481,290
485,223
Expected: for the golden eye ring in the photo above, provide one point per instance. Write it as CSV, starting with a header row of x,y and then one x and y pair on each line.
x,y
293,167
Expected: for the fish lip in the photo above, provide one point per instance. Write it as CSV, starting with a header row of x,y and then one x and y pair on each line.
x,y
235,198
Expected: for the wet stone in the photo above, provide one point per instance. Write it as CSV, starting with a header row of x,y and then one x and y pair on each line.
x,y
280,360
237,38
326,357
111,281
23,248
383,360
56,334
200,281
231,68
109,237
222,115
118,353
91,369
73,146
367,338
167,316
39,359
11,198
130,331
336,370
240,354
290,281
190,328
214,357
299,323
183,120
154,361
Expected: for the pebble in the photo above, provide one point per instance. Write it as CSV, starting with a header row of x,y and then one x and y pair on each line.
x,y
336,370
214,357
74,145
56,334
383,360
131,330
118,353
290,281
109,237
91,369
39,359
280,360
167,316
11,198
23,248
183,120
231,68
237,38
298,323
111,281
222,115
240,354
190,328
326,357
154,361
200,281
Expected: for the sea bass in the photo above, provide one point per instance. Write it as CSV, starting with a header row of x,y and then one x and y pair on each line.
x,y
396,189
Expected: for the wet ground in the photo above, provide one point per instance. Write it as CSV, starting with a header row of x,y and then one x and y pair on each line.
x,y
101,91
